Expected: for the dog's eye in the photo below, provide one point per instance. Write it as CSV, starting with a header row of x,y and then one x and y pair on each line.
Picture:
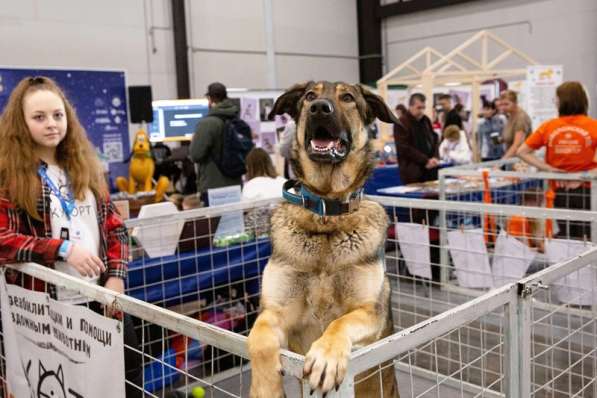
x,y
310,96
347,97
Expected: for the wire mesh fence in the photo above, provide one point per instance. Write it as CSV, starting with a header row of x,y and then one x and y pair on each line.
x,y
511,182
193,291
561,360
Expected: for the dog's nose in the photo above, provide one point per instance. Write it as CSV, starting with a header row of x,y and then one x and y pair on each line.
x,y
321,107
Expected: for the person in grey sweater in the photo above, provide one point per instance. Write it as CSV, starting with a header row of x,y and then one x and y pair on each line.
x,y
208,140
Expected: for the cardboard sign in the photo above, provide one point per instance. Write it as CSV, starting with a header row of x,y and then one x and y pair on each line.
x,y
59,350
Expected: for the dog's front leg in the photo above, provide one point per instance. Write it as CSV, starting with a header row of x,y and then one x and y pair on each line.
x,y
132,184
265,340
327,359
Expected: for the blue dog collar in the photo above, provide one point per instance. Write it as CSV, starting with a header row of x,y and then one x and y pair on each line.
x,y
319,205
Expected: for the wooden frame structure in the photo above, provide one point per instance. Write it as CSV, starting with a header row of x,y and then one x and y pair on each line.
x,y
473,62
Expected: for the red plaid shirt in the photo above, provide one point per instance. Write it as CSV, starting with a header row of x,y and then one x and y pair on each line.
x,y
25,239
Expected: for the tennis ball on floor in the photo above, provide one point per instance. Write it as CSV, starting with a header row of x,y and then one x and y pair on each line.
x,y
198,392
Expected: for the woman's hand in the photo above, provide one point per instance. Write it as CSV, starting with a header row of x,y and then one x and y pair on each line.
x,y
84,262
117,285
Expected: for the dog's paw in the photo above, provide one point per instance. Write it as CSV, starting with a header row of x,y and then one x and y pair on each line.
x,y
266,391
326,363
266,372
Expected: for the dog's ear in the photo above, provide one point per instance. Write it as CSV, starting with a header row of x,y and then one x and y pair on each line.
x,y
376,107
288,102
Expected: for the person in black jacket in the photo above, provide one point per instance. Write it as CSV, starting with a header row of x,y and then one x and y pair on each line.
x,y
416,143
451,115
418,159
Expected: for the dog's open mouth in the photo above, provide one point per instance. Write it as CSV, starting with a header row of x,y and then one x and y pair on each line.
x,y
327,146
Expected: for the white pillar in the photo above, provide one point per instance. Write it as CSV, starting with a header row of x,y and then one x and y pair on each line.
x,y
268,23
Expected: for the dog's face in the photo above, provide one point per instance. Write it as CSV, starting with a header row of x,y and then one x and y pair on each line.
x,y
332,151
141,144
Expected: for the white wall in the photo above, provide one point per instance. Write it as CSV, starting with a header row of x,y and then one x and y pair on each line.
x,y
312,40
551,31
109,34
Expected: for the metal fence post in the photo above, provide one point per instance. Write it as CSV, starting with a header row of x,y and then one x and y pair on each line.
x,y
525,322
593,208
444,259
512,349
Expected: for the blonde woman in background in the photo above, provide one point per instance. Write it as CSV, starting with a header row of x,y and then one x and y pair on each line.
x,y
519,125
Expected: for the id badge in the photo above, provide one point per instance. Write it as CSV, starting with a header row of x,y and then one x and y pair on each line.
x,y
64,233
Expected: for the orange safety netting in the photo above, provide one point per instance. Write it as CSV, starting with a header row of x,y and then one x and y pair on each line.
x,y
550,196
489,220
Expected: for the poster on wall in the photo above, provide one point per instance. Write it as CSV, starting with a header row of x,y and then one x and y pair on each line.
x,y
99,98
248,108
542,81
265,107
462,97
267,141
255,126
59,350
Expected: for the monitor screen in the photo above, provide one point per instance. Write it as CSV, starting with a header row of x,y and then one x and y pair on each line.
x,y
175,120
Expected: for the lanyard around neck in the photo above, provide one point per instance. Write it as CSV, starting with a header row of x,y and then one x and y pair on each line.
x,y
67,203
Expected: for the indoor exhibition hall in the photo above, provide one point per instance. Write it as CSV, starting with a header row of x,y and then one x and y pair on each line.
x,y
315,198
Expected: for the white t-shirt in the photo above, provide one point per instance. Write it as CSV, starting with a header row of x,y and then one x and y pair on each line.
x,y
456,152
83,230
263,188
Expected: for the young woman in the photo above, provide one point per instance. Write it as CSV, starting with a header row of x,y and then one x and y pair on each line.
x,y
570,141
262,180
262,183
490,132
518,126
54,203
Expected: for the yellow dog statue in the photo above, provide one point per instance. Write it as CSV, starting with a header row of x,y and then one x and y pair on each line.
x,y
141,170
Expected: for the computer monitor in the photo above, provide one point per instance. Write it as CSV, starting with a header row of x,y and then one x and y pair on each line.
x,y
175,120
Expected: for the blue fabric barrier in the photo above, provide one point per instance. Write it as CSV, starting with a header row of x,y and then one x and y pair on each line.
x,y
382,177
179,278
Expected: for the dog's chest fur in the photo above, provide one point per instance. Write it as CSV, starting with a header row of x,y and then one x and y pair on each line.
x,y
312,244
330,264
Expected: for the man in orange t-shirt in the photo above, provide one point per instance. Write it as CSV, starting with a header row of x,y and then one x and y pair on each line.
x,y
570,142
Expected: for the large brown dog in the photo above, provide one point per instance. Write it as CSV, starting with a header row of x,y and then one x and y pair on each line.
x,y
324,290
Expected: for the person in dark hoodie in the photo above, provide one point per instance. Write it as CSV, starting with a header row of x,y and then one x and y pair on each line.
x,y
208,140
416,144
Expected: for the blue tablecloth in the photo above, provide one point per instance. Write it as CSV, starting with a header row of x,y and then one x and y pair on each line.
x,y
382,177
175,279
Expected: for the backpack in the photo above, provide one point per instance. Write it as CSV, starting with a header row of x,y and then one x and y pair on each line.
x,y
237,142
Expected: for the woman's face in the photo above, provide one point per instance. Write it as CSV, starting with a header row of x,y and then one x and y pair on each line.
x,y
45,117
508,106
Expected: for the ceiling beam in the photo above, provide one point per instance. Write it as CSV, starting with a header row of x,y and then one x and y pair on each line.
x,y
402,7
